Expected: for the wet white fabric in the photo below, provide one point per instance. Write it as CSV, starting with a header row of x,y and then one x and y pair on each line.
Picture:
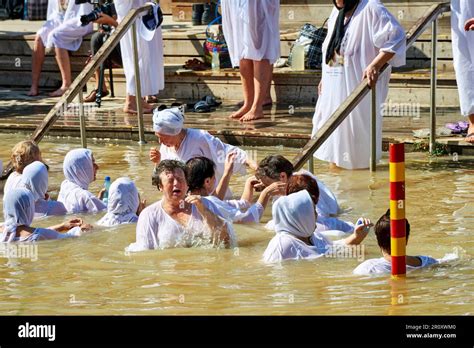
x,y
150,54
295,214
79,172
371,30
157,230
327,204
13,182
35,179
168,121
382,266
18,210
65,31
231,210
252,29
122,205
463,53
145,32
200,143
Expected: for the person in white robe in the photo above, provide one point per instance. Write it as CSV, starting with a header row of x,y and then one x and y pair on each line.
x,y
183,144
63,31
200,173
296,238
23,153
462,33
35,179
383,265
362,37
150,55
252,32
179,220
123,204
18,212
80,170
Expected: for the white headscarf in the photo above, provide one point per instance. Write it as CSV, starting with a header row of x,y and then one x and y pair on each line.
x,y
78,167
35,179
295,214
123,203
168,121
18,209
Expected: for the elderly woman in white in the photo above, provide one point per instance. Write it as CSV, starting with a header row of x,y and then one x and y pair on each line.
x,y
123,204
295,225
35,179
19,210
183,144
251,29
63,31
362,37
80,170
178,220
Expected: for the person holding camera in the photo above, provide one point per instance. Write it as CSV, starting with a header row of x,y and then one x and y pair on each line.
x,y
63,31
150,48
107,20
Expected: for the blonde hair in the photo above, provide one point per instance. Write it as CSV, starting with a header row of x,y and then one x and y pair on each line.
x,y
24,153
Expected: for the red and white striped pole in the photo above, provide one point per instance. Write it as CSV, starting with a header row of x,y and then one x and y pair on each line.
x,y
397,210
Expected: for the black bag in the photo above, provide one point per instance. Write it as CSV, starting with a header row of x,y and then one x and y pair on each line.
x,y
312,38
37,10
15,8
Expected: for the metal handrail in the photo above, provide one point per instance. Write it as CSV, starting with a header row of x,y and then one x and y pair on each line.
x,y
344,110
79,82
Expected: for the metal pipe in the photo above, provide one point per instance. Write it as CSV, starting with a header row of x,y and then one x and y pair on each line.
x,y
138,87
373,131
82,120
311,165
434,41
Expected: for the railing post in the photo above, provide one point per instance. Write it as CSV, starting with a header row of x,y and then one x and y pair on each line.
x,y
434,41
373,131
82,120
138,87
311,165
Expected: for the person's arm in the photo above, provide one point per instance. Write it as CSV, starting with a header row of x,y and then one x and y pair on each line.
x,y
155,155
67,225
247,195
217,225
107,20
361,230
275,189
223,184
373,70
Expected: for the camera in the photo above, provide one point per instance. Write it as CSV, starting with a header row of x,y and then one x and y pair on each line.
x,y
105,7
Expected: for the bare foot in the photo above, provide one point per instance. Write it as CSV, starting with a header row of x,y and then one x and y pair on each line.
x,y
241,112
133,110
334,167
33,92
267,102
470,134
59,92
147,106
252,115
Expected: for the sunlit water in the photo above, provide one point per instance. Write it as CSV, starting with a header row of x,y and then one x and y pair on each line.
x,y
93,275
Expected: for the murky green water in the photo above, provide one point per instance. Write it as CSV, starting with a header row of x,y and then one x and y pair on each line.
x,y
92,275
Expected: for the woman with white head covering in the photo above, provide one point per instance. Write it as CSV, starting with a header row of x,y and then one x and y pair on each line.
x,y
80,170
296,236
18,212
35,179
182,144
123,203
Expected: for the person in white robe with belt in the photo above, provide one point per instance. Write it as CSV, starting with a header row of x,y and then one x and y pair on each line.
x,y
462,32
63,31
252,32
150,58
362,37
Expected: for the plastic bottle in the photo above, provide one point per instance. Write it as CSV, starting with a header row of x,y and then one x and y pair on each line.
x,y
216,65
105,198
297,59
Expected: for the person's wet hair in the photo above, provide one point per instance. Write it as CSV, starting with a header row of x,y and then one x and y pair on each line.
x,y
198,169
382,232
271,166
24,153
302,182
167,166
